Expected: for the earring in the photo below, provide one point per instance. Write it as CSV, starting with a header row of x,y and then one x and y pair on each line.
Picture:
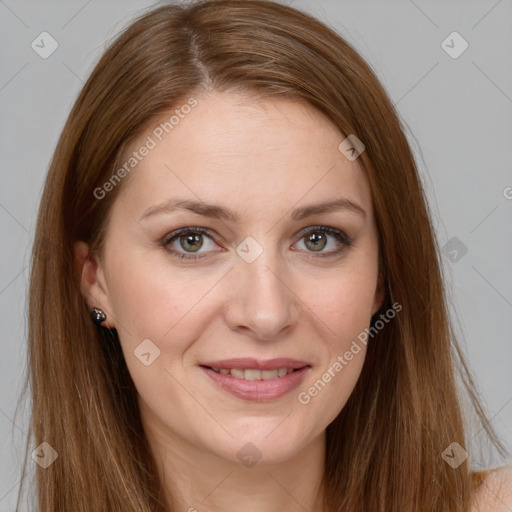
x,y
98,316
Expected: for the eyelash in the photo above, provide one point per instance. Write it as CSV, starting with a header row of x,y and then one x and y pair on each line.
x,y
342,237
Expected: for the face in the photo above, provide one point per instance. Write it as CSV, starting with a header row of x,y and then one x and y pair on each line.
x,y
270,278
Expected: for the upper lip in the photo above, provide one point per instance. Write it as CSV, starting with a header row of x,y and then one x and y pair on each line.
x,y
257,364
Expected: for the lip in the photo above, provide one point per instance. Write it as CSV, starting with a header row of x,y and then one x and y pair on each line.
x,y
256,364
258,390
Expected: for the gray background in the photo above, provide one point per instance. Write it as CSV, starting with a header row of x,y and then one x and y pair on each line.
x,y
459,112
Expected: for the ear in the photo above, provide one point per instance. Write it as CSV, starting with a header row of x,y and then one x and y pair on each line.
x,y
92,281
380,294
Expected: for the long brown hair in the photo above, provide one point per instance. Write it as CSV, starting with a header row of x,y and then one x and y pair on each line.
x,y
384,449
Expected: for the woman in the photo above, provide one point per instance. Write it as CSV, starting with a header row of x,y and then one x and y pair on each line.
x,y
303,359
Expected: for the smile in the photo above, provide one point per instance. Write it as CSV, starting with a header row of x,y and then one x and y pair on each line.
x,y
257,385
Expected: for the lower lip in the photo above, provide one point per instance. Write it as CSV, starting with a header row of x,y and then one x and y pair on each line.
x,y
258,390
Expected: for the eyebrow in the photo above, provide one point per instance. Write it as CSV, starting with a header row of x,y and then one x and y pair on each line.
x,y
221,212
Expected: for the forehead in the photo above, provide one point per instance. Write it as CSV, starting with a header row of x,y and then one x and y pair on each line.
x,y
245,151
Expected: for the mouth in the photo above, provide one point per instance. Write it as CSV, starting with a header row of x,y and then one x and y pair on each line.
x,y
246,379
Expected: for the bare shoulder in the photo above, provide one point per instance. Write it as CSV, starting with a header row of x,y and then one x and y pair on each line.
x,y
494,494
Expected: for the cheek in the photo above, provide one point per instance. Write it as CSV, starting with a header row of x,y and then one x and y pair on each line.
x,y
342,349
154,301
344,308
344,302
151,298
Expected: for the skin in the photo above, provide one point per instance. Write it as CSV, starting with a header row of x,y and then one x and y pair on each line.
x,y
260,158
495,492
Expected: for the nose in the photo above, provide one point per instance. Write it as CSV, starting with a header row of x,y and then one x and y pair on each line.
x,y
263,302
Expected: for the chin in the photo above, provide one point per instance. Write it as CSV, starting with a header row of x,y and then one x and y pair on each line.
x,y
257,447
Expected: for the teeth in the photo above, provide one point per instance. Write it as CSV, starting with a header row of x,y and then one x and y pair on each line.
x,y
268,374
253,374
239,374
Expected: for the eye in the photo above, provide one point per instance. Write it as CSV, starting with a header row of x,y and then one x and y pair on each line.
x,y
187,239
315,239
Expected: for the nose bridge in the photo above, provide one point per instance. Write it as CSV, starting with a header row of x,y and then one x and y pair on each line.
x,y
263,300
